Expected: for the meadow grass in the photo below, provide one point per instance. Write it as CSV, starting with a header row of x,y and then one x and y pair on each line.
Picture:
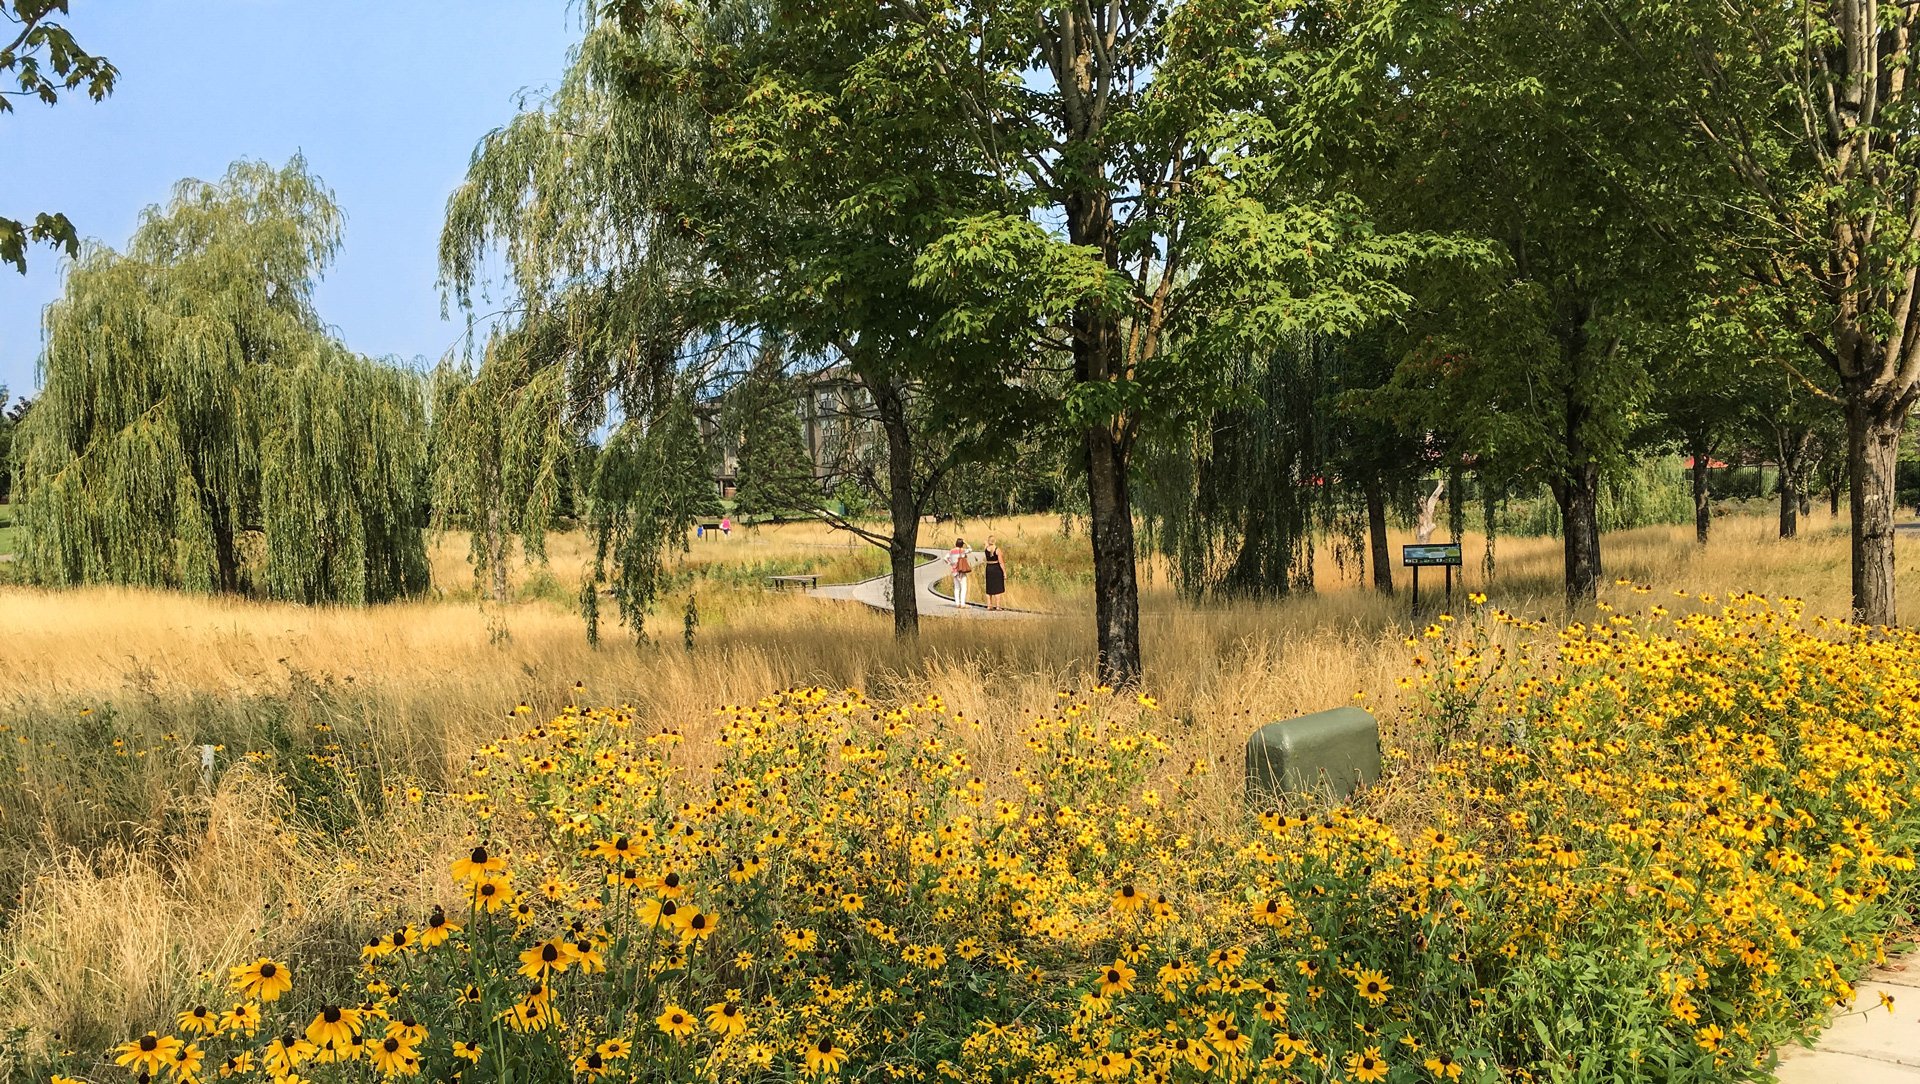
x,y
118,854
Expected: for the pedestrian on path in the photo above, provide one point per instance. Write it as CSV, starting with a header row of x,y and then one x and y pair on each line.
x,y
960,562
726,526
996,561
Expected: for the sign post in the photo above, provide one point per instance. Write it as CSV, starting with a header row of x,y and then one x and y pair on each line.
x,y
1422,555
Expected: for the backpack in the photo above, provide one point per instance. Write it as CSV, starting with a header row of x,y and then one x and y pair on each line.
x,y
962,566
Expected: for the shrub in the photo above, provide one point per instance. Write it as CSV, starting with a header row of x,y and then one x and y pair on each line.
x,y
1652,852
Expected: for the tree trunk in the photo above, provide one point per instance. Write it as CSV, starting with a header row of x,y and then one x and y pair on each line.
x,y
1833,500
1789,504
1377,534
1579,500
1116,587
497,553
1100,358
903,509
1873,447
1702,498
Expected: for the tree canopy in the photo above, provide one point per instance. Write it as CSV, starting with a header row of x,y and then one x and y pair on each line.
x,y
40,57
198,427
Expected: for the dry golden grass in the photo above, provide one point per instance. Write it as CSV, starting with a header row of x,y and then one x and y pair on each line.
x,y
173,880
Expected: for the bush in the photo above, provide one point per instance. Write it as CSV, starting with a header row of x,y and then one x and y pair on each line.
x,y
1653,852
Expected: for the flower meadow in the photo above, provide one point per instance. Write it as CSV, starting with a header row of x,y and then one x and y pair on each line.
x,y
1648,848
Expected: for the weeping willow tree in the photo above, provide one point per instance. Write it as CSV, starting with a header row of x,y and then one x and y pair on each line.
x,y
607,331
1237,498
198,428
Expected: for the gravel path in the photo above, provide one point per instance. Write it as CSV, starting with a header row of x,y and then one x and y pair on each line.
x,y
878,593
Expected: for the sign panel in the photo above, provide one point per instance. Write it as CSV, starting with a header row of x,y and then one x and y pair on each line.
x,y
1438,553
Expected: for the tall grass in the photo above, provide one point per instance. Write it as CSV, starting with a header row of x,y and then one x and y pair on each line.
x,y
115,845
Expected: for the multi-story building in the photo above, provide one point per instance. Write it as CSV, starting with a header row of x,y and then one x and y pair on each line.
x,y
834,412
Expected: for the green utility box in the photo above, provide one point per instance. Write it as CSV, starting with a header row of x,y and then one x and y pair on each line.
x,y
1329,752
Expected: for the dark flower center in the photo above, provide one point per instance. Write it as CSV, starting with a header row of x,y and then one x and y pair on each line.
x,y
550,953
479,856
1113,976
390,1045
825,1046
331,1014
148,1042
268,971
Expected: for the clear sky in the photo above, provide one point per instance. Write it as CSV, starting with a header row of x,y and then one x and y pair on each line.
x,y
386,98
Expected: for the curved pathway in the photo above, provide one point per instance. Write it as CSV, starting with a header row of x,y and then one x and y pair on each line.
x,y
878,593
1867,1044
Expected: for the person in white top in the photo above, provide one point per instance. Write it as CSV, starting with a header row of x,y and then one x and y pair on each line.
x,y
960,562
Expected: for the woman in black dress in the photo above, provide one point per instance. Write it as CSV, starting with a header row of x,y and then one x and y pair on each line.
x,y
996,563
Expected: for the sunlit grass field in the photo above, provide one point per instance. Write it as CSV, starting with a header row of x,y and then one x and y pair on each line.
x,y
339,736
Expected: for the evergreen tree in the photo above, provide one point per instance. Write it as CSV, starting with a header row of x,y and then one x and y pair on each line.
x,y
195,407
775,471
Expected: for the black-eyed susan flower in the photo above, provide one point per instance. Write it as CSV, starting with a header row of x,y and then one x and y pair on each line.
x,y
184,1066
1128,899
199,1020
284,1054
696,925
147,1054
675,1022
261,980
823,1056
335,1024
237,1064
591,1065
725,1019
493,893
477,865
438,929
614,1049
408,1030
1371,985
393,1057
1367,1065
550,957
466,1051
1444,1067
1116,979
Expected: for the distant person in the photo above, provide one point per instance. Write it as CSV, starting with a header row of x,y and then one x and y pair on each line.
x,y
960,562
726,526
996,561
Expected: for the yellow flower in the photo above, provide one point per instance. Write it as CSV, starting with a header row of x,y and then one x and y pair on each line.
x,y
824,1056
725,1019
1116,979
147,1054
493,893
394,1057
1443,1067
614,1049
334,1024
439,928
285,1054
1128,900
185,1066
468,1051
676,1022
1113,1065
1367,1065
242,1019
549,957
1372,985
261,980
199,1020
592,1065
477,865
696,925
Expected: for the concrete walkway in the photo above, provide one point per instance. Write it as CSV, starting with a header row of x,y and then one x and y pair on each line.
x,y
878,592
1867,1044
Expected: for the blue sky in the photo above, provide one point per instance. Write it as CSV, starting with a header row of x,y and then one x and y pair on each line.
x,y
386,100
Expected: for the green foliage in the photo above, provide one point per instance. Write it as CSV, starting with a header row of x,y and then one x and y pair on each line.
x,y
40,57
1644,494
775,471
650,483
196,411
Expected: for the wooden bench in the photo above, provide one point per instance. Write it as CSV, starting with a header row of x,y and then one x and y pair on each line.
x,y
809,581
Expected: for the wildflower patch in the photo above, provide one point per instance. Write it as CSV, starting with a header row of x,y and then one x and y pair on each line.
x,y
1658,851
